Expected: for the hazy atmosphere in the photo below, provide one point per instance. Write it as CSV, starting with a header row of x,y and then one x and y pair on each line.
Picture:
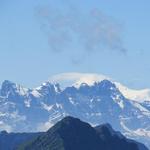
x,y
89,36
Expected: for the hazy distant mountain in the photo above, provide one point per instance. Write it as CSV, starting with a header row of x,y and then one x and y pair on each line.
x,y
11,141
73,134
25,110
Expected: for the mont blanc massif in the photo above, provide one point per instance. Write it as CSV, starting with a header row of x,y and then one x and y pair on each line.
x,y
93,98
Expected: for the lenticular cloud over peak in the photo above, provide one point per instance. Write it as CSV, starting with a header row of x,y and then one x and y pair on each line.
x,y
76,79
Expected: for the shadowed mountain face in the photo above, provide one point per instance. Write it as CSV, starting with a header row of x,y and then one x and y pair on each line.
x,y
73,134
10,141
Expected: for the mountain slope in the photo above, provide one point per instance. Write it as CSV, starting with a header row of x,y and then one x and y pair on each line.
x,y
73,134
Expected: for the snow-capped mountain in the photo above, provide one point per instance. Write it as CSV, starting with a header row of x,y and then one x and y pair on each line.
x,y
75,79
92,98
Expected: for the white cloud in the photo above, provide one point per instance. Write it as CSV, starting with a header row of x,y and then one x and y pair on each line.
x,y
4,126
139,132
75,79
44,126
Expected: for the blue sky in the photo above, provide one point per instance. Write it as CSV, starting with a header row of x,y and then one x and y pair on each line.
x,y
30,53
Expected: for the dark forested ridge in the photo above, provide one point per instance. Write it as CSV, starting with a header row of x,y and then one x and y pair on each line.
x,y
73,134
10,141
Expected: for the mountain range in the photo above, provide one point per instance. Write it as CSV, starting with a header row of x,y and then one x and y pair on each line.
x,y
92,98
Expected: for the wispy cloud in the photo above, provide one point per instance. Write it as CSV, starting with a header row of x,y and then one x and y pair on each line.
x,y
90,31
